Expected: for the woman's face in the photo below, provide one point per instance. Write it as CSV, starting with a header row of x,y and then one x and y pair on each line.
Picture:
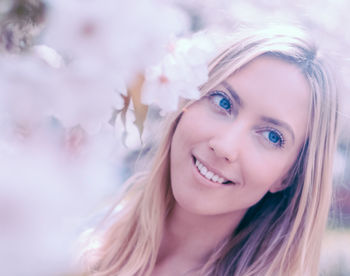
x,y
246,133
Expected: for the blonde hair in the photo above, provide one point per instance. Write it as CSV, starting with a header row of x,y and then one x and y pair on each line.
x,y
281,234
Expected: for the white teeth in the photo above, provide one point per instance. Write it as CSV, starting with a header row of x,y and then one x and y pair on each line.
x,y
208,174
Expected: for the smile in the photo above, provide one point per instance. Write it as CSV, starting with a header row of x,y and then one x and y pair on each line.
x,y
209,175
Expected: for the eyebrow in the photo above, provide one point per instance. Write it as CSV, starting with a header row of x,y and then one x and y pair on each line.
x,y
233,93
263,118
280,124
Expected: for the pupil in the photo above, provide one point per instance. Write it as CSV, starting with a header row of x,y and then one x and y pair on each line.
x,y
274,138
225,103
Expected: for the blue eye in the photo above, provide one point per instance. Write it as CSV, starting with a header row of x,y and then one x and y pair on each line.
x,y
274,137
221,100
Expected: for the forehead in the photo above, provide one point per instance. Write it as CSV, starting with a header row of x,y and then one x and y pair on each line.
x,y
269,86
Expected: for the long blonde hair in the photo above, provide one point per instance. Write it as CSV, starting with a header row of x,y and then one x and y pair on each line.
x,y
281,234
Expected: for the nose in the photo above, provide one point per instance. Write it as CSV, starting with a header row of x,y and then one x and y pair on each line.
x,y
228,142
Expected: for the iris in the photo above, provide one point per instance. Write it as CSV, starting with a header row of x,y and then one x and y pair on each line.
x,y
225,103
274,137
221,100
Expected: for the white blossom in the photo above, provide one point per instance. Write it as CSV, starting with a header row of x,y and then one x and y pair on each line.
x,y
86,97
179,74
77,94
26,83
124,35
46,194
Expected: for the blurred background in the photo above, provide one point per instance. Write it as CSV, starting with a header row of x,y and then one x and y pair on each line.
x,y
83,85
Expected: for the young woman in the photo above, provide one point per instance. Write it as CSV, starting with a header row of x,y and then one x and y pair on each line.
x,y
241,182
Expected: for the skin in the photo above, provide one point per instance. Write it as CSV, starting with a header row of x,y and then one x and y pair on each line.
x,y
241,141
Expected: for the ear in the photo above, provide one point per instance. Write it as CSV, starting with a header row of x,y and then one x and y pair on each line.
x,y
277,187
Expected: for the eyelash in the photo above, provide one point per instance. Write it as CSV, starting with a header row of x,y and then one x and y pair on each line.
x,y
224,95
281,140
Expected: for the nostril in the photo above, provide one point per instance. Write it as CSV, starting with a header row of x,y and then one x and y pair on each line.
x,y
222,151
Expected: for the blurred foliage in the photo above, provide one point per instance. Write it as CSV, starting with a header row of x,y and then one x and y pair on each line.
x,y
335,257
20,22
134,92
140,110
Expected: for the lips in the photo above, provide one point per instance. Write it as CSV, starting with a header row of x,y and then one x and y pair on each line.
x,y
222,179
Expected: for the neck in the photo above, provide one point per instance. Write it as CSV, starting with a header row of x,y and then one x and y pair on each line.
x,y
193,237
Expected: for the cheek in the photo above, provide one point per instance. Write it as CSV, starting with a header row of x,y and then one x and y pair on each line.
x,y
194,126
266,172
263,168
